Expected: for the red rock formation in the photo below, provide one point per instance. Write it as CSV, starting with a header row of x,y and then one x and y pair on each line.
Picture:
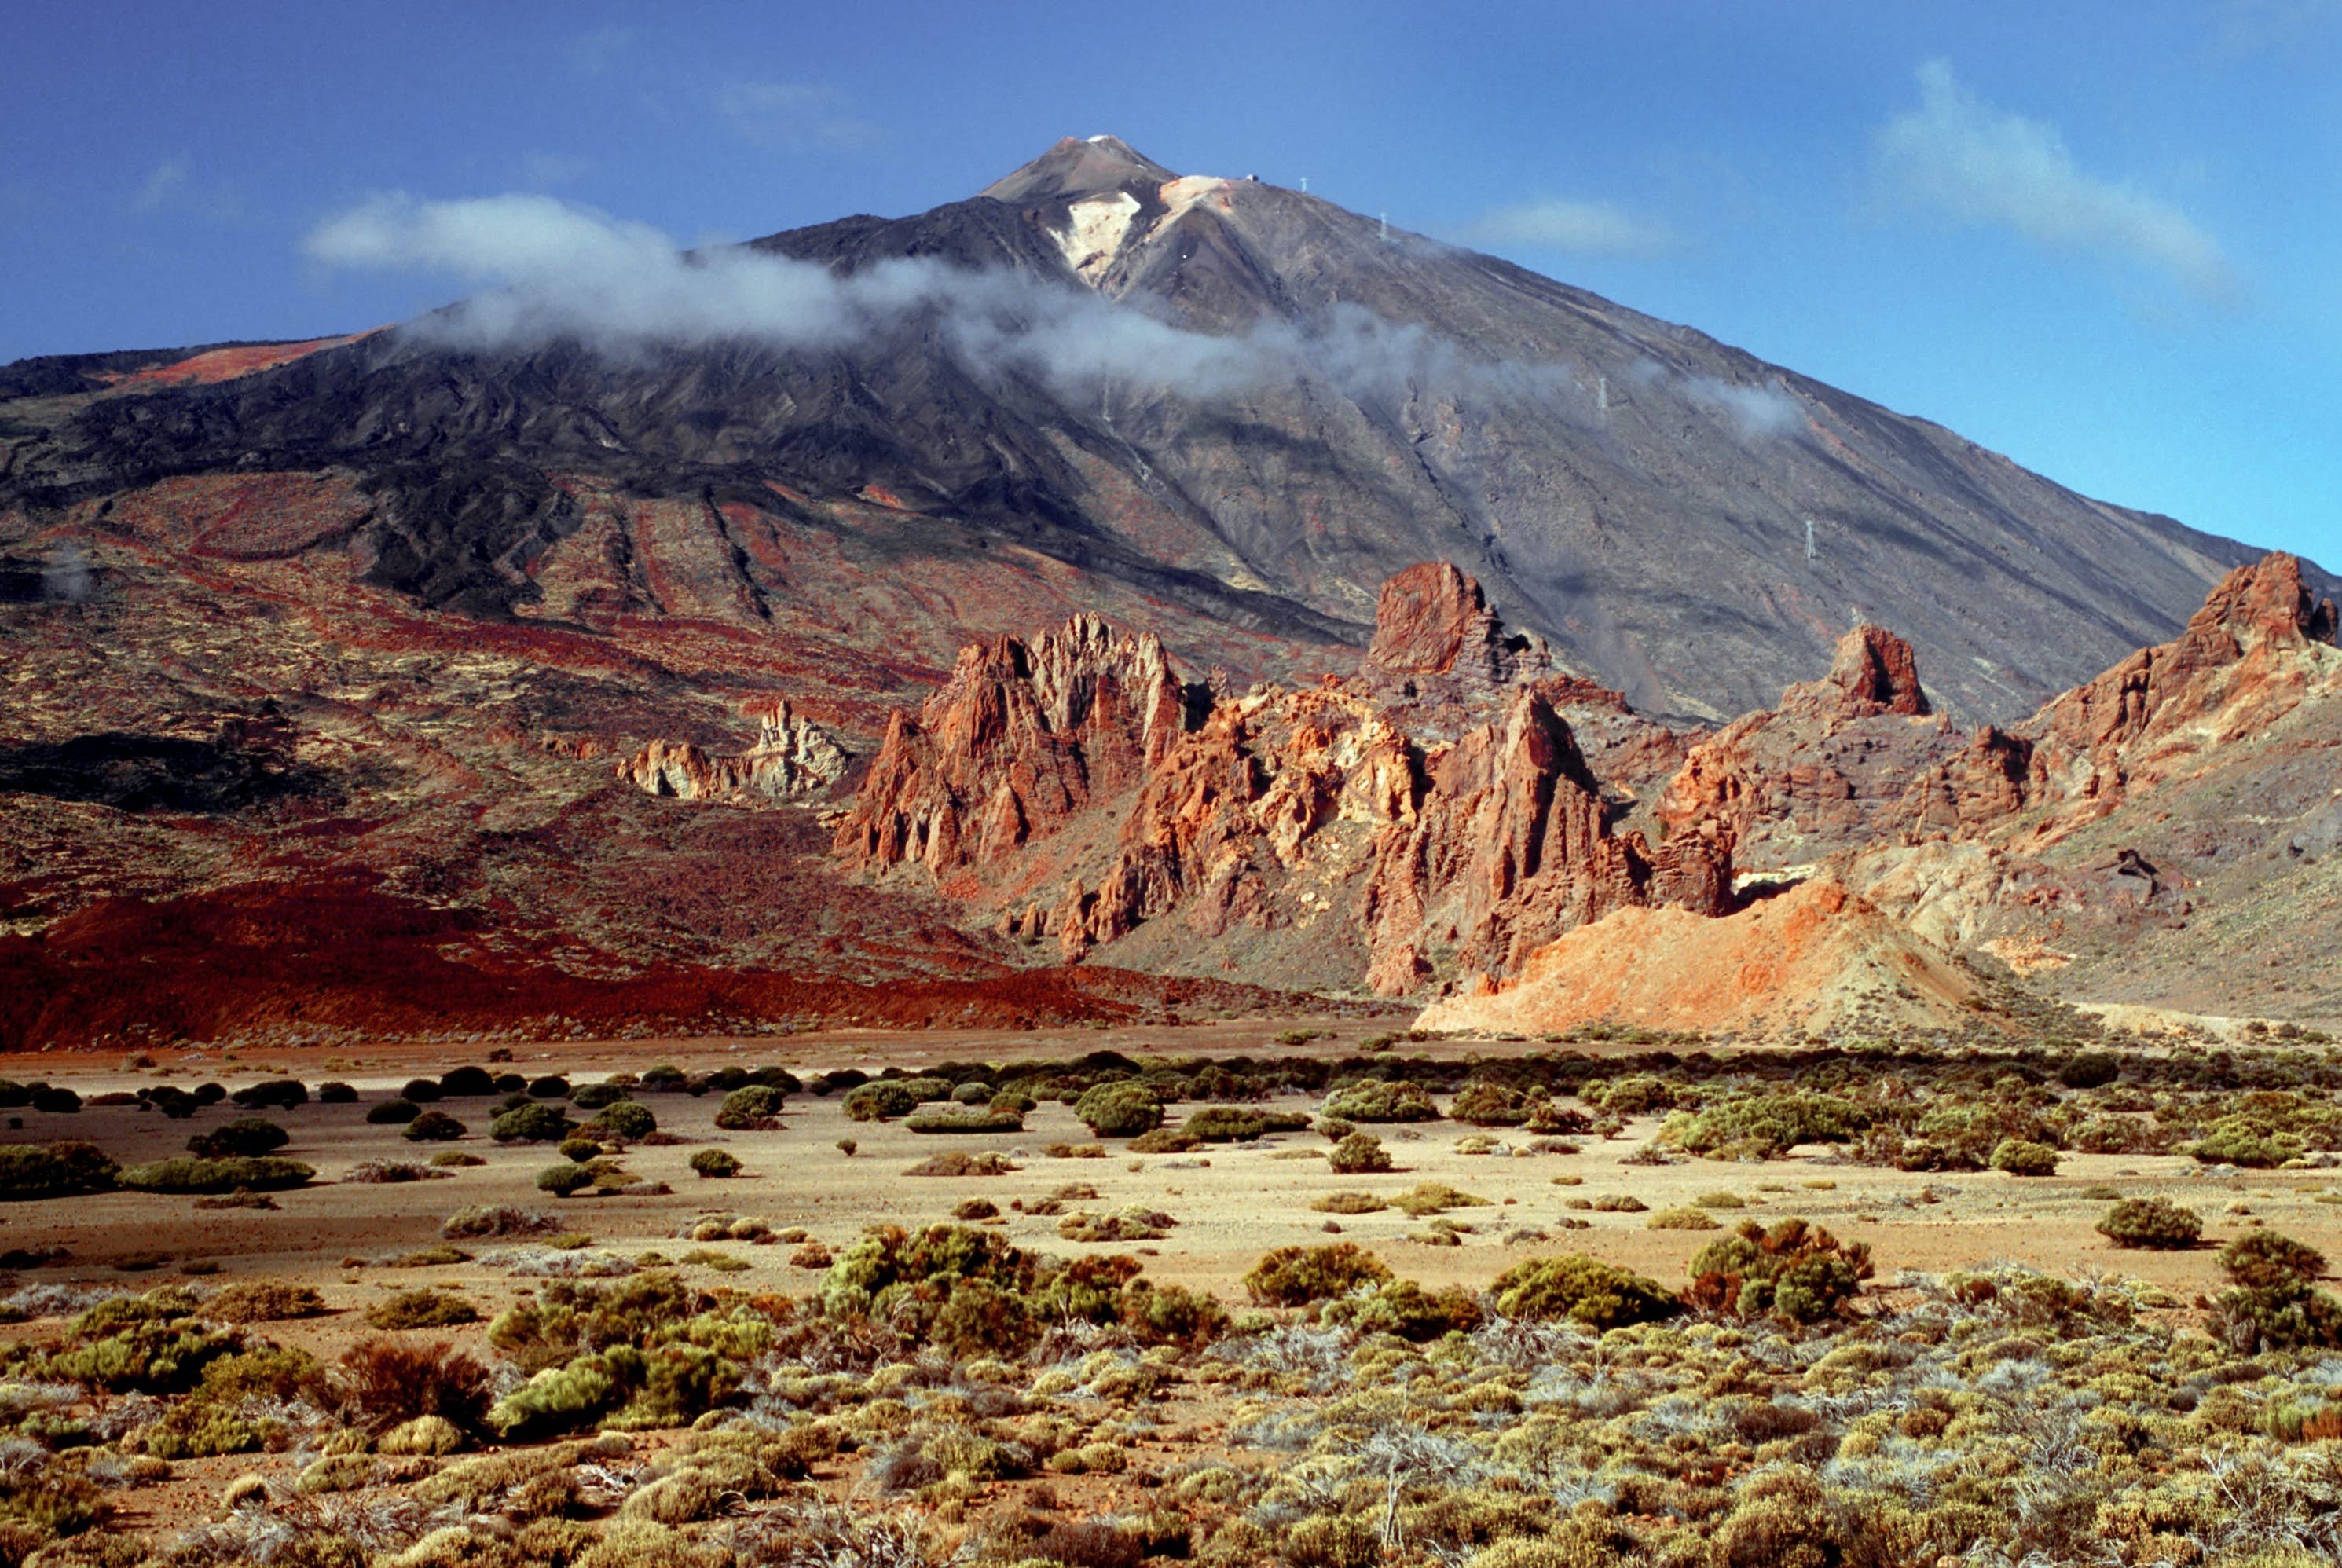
x,y
793,756
1468,852
2244,661
1874,672
1431,620
1019,739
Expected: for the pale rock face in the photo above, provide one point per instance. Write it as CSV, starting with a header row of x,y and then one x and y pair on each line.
x,y
793,757
1095,233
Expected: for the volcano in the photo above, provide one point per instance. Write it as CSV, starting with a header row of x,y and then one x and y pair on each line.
x,y
1680,520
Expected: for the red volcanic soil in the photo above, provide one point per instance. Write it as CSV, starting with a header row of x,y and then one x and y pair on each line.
x,y
336,954
227,363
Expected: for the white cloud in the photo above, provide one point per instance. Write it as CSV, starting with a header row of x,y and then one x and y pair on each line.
x,y
1551,222
1961,156
167,180
796,116
567,272
597,50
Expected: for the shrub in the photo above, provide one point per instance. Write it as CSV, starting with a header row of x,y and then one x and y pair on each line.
x,y
266,1174
336,1094
715,1165
423,1436
532,1122
847,1146
562,1180
2241,1139
880,1101
1486,1105
556,1400
1358,1154
596,1097
2266,1260
1683,1219
966,1121
1587,1290
959,1163
2156,1224
466,1084
754,1107
394,1384
421,1309
391,1172
264,1300
551,1086
2022,1157
433,1127
958,1285
272,1094
456,1158
580,1151
1135,1224
1791,1269
422,1091
1163,1140
53,1170
392,1113
1296,1276
1119,1110
626,1120
1427,1198
1349,1203
1764,1127
1406,1309
491,1220
1376,1101
1231,1123
54,1100
2090,1070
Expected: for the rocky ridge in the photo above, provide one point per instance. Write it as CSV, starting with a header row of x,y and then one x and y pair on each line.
x,y
1431,816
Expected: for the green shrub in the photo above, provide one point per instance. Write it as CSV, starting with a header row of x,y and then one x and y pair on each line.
x,y
972,1092
466,1084
1682,1219
958,1286
880,1101
1764,1127
266,1174
2090,1070
556,1400
715,1165
246,1137
752,1106
60,1170
1587,1290
1791,1270
264,1300
562,1180
1358,1154
2022,1157
421,1309
1014,1100
456,1158
532,1122
2246,1141
272,1094
1487,1105
596,1097
1376,1101
1425,1198
2266,1260
966,1121
1233,1123
2156,1224
626,1120
392,1113
1296,1276
1406,1309
1349,1203
433,1127
1119,1110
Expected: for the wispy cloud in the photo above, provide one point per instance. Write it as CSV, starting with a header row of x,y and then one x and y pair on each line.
x,y
1584,228
796,116
164,181
1959,155
597,50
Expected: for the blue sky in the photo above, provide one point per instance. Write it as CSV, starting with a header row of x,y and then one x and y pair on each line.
x,y
2100,238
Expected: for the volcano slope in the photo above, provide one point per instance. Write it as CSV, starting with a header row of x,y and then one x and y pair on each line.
x,y
1240,402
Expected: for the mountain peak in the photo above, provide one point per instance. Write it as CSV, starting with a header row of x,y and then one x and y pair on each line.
x,y
1081,168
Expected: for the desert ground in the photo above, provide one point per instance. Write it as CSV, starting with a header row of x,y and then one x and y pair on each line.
x,y
1096,1437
